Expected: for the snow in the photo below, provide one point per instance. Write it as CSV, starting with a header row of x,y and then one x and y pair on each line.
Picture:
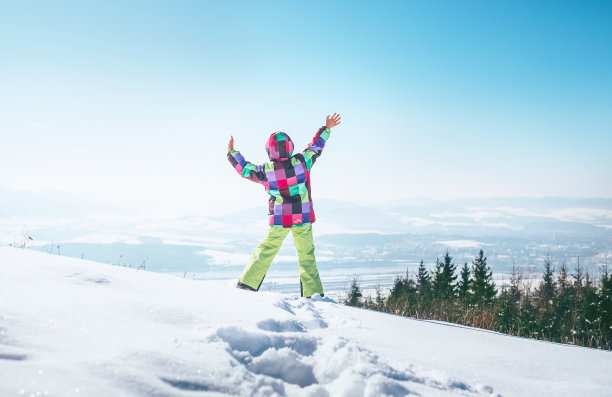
x,y
104,238
74,327
462,243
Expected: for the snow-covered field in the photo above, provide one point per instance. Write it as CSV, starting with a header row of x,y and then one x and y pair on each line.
x,y
75,327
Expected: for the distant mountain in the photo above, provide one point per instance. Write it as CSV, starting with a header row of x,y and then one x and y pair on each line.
x,y
511,230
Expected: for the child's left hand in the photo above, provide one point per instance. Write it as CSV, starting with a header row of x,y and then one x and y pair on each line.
x,y
230,145
331,122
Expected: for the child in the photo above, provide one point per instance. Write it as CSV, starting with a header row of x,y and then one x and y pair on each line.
x,y
286,178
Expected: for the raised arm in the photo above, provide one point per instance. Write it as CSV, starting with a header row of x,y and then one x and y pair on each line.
x,y
314,149
244,168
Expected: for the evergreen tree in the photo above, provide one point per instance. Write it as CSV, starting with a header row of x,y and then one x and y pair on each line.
x,y
562,279
546,292
443,283
464,284
354,295
546,289
380,299
506,313
403,297
604,307
437,278
515,286
483,286
563,321
587,280
578,277
528,325
507,316
423,281
577,285
423,290
588,314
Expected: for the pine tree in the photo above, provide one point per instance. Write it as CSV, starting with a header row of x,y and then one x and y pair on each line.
x,y
528,325
578,277
563,321
588,314
546,292
508,305
464,284
423,291
443,283
368,303
577,286
515,286
380,299
547,286
354,295
604,307
437,279
423,281
562,279
506,313
403,297
483,286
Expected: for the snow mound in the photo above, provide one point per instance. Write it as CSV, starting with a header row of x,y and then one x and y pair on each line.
x,y
69,326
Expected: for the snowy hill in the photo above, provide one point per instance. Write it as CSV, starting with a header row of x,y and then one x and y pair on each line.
x,y
75,327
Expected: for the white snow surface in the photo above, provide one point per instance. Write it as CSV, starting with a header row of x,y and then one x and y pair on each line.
x,y
75,327
462,243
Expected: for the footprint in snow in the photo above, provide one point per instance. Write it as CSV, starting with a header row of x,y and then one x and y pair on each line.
x,y
305,312
274,325
256,343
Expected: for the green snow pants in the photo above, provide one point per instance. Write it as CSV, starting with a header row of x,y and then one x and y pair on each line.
x,y
261,259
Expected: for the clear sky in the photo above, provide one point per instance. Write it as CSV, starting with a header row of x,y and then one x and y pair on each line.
x,y
133,102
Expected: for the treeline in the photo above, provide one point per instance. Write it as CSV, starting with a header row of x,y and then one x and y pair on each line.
x,y
568,308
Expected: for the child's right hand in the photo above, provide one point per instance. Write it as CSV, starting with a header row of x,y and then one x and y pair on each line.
x,y
230,145
333,121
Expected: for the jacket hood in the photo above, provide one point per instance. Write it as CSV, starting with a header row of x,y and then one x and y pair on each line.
x,y
279,146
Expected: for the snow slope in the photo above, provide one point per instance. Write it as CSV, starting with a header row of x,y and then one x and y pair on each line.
x,y
75,327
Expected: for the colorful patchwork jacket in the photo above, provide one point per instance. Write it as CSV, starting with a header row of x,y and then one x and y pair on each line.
x,y
286,177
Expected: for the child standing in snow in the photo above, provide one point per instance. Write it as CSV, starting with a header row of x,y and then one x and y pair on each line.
x,y
286,178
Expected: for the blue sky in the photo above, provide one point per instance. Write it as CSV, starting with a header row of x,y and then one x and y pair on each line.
x,y
133,102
